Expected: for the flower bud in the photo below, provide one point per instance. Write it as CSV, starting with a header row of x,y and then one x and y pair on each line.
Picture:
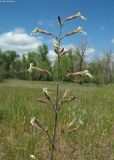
x,y
72,122
69,99
70,33
56,51
75,16
62,50
59,20
37,30
65,93
72,130
77,73
55,43
42,101
79,29
65,52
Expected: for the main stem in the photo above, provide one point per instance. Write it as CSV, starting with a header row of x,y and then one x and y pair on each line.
x,y
56,113
57,101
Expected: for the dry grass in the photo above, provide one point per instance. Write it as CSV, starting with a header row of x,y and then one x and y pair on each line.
x,y
93,109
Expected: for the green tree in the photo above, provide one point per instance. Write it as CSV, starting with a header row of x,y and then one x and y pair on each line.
x,y
43,61
7,61
40,59
80,60
65,67
23,67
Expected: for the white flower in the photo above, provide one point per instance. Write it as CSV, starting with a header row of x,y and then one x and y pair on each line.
x,y
47,94
82,17
31,65
80,29
45,90
80,122
32,156
33,121
36,30
79,15
89,75
86,73
84,33
30,70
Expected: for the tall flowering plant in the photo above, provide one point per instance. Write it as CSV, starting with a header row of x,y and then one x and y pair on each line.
x,y
56,106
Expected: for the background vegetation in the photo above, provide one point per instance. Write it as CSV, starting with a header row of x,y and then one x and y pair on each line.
x,y
14,66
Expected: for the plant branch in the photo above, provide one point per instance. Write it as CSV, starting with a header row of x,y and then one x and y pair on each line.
x,y
38,125
69,99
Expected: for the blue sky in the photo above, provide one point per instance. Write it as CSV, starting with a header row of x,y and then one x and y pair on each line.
x,y
19,18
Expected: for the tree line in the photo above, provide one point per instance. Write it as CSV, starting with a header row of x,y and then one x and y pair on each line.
x,y
14,66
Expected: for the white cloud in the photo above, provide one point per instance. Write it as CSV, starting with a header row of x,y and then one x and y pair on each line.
x,y
112,40
19,40
50,41
69,46
52,55
89,51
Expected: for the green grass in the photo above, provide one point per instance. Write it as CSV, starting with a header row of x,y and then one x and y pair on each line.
x,y
93,108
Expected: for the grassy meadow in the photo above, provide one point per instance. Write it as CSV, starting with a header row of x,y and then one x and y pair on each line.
x,y
93,109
